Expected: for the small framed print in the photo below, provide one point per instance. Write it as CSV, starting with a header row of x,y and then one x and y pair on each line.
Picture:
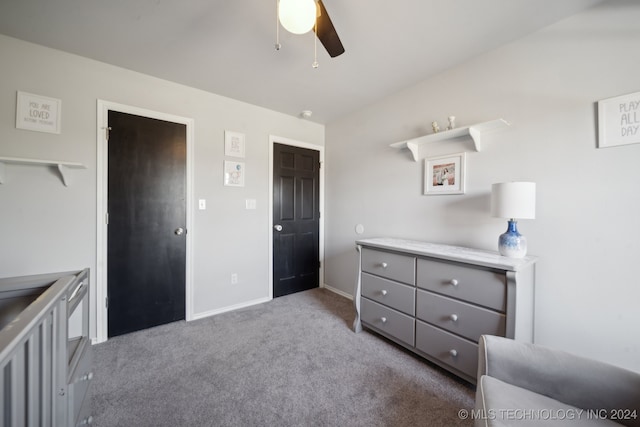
x,y
233,174
619,120
38,113
444,174
234,144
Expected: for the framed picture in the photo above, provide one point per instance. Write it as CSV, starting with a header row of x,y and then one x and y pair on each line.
x,y
234,143
444,174
619,120
233,174
38,113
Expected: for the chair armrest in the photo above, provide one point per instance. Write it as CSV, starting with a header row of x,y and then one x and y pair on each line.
x,y
574,380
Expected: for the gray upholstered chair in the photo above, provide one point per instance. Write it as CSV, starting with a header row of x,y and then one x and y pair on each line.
x,y
527,384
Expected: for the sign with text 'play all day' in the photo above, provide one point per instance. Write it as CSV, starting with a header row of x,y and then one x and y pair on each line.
x,y
39,113
619,120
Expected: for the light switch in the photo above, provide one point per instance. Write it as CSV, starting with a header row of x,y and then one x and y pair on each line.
x,y
250,203
202,204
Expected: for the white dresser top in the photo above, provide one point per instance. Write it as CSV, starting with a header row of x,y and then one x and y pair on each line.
x,y
450,253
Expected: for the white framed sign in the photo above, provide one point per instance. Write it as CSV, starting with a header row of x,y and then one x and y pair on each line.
x,y
233,174
619,120
38,113
234,143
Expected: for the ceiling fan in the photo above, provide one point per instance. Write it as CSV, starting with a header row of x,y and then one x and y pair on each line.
x,y
301,16
326,32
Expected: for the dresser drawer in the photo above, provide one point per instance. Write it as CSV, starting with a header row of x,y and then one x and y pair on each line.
x,y
392,294
391,322
79,382
459,317
401,268
478,286
456,352
84,417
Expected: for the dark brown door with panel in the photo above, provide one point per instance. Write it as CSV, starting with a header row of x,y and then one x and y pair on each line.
x,y
296,219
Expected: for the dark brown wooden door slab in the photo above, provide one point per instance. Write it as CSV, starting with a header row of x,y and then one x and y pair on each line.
x,y
296,219
146,247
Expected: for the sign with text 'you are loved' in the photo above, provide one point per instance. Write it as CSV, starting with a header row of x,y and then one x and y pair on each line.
x,y
619,120
39,113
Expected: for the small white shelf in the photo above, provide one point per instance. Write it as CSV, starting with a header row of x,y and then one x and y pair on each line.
x,y
64,168
418,145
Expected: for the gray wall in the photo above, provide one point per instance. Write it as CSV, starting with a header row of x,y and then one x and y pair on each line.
x,y
48,227
586,232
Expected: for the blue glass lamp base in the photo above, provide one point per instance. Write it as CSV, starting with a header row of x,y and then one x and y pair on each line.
x,y
511,243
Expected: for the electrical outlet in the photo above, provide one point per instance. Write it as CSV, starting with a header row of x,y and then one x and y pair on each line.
x,y
202,204
234,278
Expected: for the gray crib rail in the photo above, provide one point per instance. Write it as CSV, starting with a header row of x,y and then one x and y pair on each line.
x,y
33,351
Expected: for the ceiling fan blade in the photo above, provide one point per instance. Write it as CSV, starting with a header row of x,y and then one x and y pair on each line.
x,y
327,33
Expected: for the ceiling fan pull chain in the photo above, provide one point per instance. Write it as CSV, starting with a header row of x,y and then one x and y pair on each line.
x,y
278,45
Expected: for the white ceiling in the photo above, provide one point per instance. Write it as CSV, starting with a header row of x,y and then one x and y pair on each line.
x,y
227,46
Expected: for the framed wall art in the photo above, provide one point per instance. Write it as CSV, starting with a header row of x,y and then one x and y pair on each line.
x,y
234,144
444,174
619,120
233,174
38,113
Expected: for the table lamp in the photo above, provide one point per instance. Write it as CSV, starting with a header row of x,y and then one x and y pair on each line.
x,y
513,200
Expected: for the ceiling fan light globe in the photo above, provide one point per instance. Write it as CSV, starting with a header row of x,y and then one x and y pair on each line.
x,y
297,16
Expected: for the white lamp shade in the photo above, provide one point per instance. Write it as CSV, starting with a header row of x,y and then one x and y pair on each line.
x,y
515,200
297,16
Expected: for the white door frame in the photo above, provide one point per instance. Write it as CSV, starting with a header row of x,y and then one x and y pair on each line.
x,y
102,194
286,141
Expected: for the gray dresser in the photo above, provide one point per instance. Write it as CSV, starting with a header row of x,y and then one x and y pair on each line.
x,y
437,300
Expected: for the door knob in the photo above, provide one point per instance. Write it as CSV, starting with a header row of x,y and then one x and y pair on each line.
x,y
179,231
278,227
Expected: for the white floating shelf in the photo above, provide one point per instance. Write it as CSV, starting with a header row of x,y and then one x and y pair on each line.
x,y
417,145
64,168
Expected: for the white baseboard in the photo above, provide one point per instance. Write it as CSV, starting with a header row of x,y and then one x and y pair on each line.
x,y
338,291
210,313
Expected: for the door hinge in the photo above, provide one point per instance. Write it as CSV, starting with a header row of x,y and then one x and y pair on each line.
x,y
106,302
319,264
106,218
106,131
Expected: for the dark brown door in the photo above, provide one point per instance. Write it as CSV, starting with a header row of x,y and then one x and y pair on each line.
x,y
146,246
296,219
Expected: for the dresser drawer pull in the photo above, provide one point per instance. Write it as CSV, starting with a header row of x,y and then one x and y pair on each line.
x,y
384,292
454,317
453,352
383,319
384,265
453,282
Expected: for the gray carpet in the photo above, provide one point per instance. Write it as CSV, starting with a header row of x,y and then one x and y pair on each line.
x,y
293,361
